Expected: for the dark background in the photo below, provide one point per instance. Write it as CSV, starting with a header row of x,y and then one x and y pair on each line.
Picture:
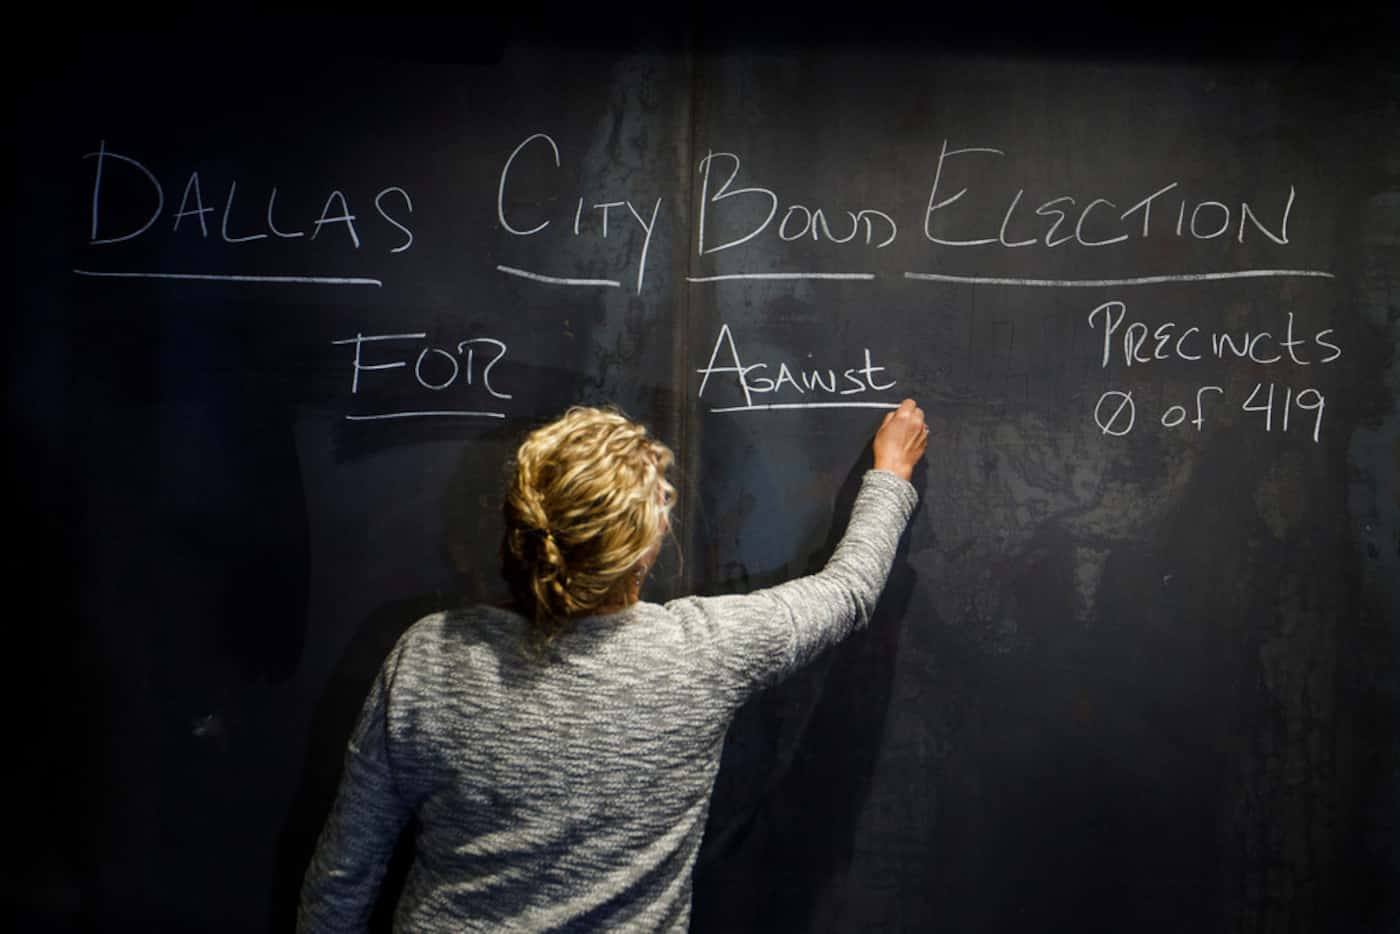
x,y
1142,683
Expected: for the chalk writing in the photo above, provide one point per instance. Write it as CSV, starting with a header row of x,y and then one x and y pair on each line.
x,y
817,386
730,214
1116,412
1142,344
1315,403
867,226
799,221
434,370
598,213
129,201
234,225
1185,216
1137,343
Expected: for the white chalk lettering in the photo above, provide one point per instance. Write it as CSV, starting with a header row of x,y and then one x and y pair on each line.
x,y
1200,418
1045,210
501,187
935,205
228,208
238,225
1110,325
1336,351
467,346
603,224
1084,214
819,384
102,155
198,211
1146,205
1196,218
436,370
1121,419
648,227
798,220
607,206
1254,346
724,193
1247,214
344,217
1224,221
378,206
271,200
1006,219
418,368
359,340
738,368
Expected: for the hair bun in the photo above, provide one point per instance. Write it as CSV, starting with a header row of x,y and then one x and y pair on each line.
x,y
588,502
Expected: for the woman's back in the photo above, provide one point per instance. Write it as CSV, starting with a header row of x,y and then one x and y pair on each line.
x,y
561,766
593,766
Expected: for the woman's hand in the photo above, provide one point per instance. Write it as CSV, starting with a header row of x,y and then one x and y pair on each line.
x,y
901,440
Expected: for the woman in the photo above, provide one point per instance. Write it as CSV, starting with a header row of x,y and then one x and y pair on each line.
x,y
560,756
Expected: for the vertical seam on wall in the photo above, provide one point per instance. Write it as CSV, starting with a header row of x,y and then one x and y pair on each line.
x,y
687,422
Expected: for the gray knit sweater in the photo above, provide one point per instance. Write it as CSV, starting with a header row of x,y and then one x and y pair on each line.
x,y
571,794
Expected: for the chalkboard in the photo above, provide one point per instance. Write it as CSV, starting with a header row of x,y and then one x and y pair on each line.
x,y
287,296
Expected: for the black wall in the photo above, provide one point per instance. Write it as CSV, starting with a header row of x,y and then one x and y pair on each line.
x,y
1123,678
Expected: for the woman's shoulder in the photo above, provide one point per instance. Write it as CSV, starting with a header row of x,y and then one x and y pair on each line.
x,y
461,626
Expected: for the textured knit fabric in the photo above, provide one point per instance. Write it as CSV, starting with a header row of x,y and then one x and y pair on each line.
x,y
571,793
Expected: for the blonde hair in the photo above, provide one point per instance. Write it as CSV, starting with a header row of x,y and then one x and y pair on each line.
x,y
588,504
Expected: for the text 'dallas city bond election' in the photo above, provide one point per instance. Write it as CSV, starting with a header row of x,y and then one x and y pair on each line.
x,y
555,229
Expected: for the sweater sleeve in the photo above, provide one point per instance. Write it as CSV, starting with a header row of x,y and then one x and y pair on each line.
x,y
756,639
352,854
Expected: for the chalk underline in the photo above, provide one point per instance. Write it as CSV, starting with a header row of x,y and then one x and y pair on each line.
x,y
783,275
1134,280
457,412
311,280
1041,283
557,280
807,405
861,276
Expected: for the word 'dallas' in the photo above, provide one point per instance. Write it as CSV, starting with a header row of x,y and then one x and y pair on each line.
x,y
125,188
